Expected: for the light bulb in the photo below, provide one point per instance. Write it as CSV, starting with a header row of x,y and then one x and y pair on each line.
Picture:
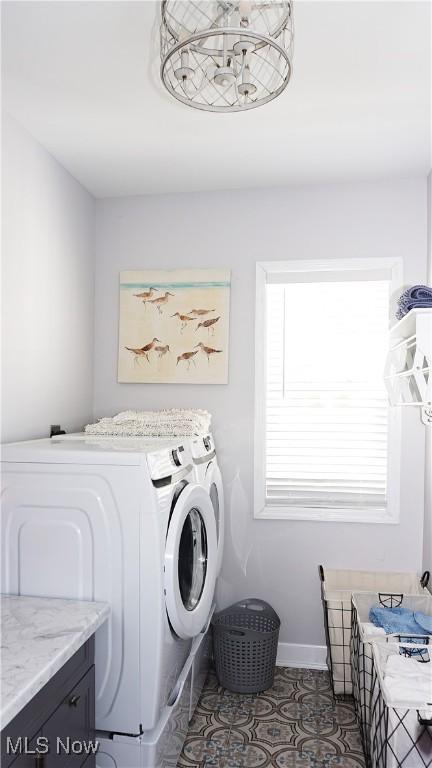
x,y
246,87
224,76
184,72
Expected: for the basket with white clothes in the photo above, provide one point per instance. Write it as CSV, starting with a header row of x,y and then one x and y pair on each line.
x,y
401,704
362,635
337,587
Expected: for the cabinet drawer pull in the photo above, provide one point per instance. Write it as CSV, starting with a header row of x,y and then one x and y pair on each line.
x,y
73,701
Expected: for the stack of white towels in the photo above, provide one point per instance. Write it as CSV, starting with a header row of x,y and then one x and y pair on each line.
x,y
370,630
408,683
167,423
409,680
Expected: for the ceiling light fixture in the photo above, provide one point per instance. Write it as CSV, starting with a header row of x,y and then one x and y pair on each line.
x,y
226,55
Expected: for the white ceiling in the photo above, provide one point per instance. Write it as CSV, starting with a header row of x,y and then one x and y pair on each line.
x,y
83,78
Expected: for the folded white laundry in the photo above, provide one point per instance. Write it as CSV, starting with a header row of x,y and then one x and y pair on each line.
x,y
407,666
408,680
406,685
165,423
370,630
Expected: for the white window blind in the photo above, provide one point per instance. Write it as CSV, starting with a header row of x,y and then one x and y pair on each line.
x,y
326,410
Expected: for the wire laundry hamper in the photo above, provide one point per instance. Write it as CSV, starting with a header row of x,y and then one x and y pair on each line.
x,y
337,587
401,731
245,645
361,648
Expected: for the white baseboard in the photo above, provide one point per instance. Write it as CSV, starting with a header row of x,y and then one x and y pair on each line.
x,y
307,656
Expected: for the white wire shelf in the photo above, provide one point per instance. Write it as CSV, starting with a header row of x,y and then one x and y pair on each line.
x,y
408,370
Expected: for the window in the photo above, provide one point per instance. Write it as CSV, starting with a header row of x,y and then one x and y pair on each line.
x,y
326,441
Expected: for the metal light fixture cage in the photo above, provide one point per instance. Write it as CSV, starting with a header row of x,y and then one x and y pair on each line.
x,y
226,55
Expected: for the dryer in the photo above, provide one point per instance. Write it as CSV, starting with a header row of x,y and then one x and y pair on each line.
x,y
207,474
120,520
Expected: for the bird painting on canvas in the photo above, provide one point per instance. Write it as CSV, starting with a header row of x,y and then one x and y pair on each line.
x,y
188,357
143,351
184,319
162,350
209,351
160,301
186,316
200,312
209,324
146,294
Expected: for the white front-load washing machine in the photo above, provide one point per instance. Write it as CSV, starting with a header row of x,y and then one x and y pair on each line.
x,y
208,475
122,521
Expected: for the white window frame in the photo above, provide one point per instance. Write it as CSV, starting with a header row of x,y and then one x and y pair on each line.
x,y
394,268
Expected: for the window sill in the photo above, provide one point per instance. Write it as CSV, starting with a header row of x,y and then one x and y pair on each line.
x,y
312,514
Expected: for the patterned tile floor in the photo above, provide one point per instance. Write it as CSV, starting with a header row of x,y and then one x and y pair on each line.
x,y
295,724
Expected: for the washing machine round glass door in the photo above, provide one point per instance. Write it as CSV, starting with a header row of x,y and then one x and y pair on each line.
x,y
190,561
213,484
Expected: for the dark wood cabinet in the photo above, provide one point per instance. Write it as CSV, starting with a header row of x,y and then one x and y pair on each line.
x,y
71,727
27,759
56,728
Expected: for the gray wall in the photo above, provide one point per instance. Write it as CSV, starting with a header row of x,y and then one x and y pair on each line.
x,y
427,536
273,559
47,291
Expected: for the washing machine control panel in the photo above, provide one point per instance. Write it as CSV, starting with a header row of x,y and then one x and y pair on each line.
x,y
168,462
203,449
177,456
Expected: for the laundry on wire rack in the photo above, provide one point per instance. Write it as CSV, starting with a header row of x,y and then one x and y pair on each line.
x,y
401,621
371,630
175,422
408,680
416,297
401,707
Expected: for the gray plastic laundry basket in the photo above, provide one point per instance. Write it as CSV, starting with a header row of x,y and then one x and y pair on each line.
x,y
245,645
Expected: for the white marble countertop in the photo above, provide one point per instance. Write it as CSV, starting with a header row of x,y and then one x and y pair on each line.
x,y
38,636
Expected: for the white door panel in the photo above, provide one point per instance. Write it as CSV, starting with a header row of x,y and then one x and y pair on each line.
x,y
64,536
62,539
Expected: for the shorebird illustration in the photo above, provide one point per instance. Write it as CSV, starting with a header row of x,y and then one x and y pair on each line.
x,y
160,301
146,295
208,350
143,351
188,356
162,350
199,312
208,324
184,320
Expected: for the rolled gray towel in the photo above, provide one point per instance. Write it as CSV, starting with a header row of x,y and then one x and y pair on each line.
x,y
416,297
